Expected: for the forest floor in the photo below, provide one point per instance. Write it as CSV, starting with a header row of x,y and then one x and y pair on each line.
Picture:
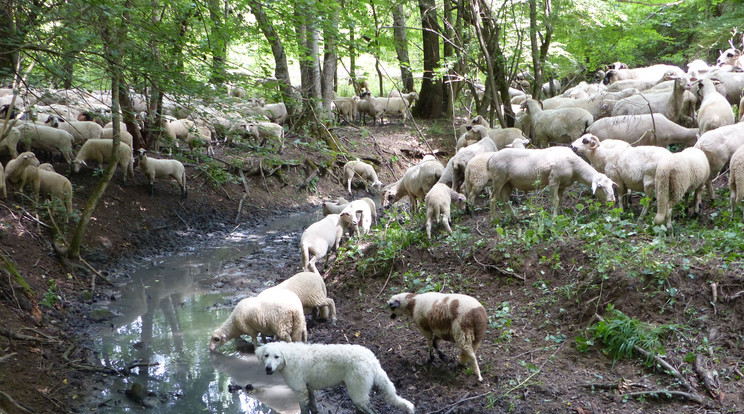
x,y
543,282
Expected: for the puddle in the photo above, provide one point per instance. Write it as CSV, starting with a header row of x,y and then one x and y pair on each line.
x,y
158,326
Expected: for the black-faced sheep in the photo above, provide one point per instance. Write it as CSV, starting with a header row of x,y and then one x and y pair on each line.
x,y
99,150
451,317
274,312
561,125
155,168
719,145
676,175
438,203
365,171
415,183
319,238
557,167
736,179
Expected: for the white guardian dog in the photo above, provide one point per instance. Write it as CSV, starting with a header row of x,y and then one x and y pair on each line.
x,y
308,367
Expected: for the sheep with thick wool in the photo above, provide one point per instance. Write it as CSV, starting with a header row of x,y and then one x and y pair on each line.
x,y
274,312
644,129
357,216
452,317
346,108
736,179
677,175
464,155
267,132
10,142
378,107
676,104
501,137
154,168
124,136
476,172
334,207
319,238
562,125
81,131
99,150
528,170
715,111
365,171
201,136
57,185
415,183
48,139
311,289
719,145
21,171
631,168
438,203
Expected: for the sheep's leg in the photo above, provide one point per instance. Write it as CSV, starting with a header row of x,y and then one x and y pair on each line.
x,y
445,220
468,355
709,187
434,346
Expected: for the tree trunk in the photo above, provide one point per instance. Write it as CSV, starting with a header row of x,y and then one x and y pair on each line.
x,y
431,95
401,46
330,57
218,41
539,51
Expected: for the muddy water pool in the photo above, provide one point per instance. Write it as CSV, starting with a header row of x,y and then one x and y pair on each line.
x,y
160,317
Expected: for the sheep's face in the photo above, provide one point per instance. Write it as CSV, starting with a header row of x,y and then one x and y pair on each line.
x,y
271,357
398,304
605,186
78,163
216,340
728,57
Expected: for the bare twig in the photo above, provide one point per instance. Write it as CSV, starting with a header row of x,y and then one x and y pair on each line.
x,y
666,394
4,357
8,404
498,269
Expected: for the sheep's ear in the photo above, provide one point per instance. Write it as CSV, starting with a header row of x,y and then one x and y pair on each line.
x,y
595,185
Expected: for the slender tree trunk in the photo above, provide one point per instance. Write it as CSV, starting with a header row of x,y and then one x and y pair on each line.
x,y
218,40
539,48
431,95
352,59
376,44
330,57
401,46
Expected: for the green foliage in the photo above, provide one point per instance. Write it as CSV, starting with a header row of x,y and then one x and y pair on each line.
x,y
52,295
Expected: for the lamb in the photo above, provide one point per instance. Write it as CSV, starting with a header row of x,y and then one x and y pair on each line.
x,y
558,167
451,317
719,145
346,108
202,136
155,168
99,150
415,183
736,179
676,175
460,160
81,131
561,125
500,136
274,312
675,105
438,201
311,289
476,172
48,139
265,131
21,170
56,185
10,142
381,106
631,168
319,237
355,213
715,110
124,136
365,171
645,129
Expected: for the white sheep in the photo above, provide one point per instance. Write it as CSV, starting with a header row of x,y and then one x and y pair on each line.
x,y
415,183
124,136
500,136
736,179
99,150
676,175
334,207
319,238
460,160
715,111
649,73
159,168
81,131
731,57
274,312
557,167
110,125
10,142
311,289
57,185
267,131
276,112
438,203
48,139
719,145
410,97
200,136
21,171
365,171
562,125
346,107
3,190
356,214
644,129
599,103
451,317
476,172
675,105
382,106
730,84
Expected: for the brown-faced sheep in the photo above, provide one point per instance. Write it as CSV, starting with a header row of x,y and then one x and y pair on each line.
x,y
451,317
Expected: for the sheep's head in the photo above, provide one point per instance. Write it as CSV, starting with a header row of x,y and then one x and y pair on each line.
x,y
217,339
728,57
459,200
79,163
28,158
605,184
585,143
400,303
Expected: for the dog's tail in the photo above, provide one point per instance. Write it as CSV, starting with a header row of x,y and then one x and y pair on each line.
x,y
386,387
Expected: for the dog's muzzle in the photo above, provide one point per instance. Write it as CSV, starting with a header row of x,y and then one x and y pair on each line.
x,y
269,371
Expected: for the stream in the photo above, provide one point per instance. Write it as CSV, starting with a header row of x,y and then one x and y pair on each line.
x,y
161,317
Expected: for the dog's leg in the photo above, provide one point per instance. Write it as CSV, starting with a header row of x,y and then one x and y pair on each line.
x,y
311,400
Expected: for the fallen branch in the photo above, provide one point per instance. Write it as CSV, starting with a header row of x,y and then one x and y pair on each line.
x,y
9,405
4,357
709,377
498,269
667,394
13,335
